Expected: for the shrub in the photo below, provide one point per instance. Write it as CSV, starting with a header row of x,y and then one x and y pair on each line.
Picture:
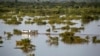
x,y
17,32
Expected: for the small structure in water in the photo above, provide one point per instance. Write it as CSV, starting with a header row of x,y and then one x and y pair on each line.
x,y
30,32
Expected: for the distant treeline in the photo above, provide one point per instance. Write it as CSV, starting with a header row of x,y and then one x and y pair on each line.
x,y
50,0
50,8
51,4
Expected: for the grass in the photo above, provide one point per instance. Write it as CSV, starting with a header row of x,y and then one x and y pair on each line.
x,y
66,27
75,29
25,45
48,30
87,14
29,22
12,20
23,42
0,37
67,34
70,23
95,40
74,40
88,18
41,23
53,41
9,34
20,19
17,32
87,37
68,37
85,18
1,41
55,20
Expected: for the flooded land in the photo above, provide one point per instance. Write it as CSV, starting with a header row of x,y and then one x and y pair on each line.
x,y
49,29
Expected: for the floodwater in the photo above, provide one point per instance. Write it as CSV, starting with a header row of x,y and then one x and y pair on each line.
x,y
44,48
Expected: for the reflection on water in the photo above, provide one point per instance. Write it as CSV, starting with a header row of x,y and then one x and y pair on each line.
x,y
26,36
8,35
83,42
52,41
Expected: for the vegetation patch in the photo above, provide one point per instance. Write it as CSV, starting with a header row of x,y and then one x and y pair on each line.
x,y
69,38
1,41
95,40
17,32
65,27
25,45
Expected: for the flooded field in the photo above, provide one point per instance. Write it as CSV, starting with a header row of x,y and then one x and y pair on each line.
x,y
52,39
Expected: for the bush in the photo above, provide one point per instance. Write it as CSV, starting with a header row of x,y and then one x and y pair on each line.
x,y
65,34
41,23
1,41
66,28
17,32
